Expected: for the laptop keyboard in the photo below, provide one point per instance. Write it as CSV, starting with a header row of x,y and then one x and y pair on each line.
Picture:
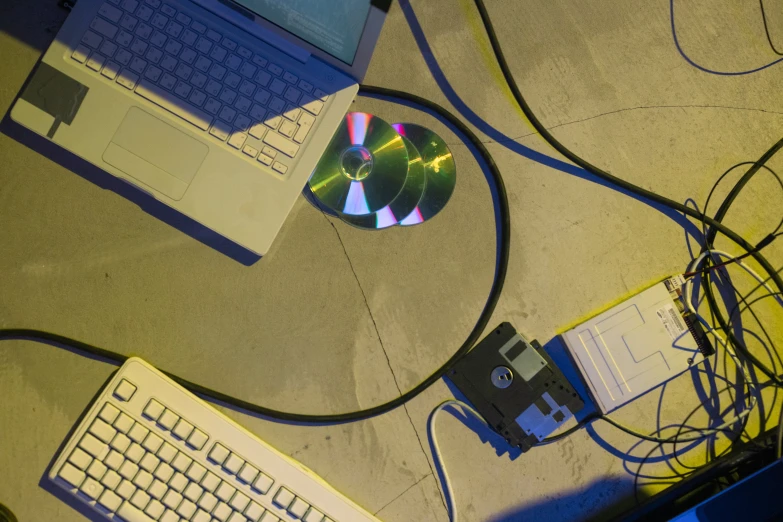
x,y
232,93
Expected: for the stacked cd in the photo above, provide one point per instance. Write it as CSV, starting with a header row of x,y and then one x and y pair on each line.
x,y
375,175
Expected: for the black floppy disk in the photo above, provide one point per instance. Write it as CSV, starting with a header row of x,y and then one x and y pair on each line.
x,y
516,387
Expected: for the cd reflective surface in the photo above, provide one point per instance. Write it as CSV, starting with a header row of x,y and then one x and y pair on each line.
x,y
404,203
363,169
439,168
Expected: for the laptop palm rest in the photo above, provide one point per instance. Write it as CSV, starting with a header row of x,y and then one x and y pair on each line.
x,y
155,153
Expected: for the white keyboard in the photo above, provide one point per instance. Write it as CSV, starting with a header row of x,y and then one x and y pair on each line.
x,y
188,67
148,450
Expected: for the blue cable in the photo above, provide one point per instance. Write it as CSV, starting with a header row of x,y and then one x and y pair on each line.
x,y
696,65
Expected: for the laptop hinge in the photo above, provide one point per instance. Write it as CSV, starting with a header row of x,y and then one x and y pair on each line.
x,y
245,20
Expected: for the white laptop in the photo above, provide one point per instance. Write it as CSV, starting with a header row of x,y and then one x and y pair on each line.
x,y
220,109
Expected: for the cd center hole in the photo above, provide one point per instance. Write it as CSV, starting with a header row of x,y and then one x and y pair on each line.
x,y
357,163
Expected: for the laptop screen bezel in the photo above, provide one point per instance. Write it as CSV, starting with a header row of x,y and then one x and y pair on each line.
x,y
364,50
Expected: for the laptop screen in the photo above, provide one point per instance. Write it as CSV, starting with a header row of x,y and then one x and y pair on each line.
x,y
335,27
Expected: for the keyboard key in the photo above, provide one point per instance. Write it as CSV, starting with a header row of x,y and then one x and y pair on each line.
x,y
277,105
139,47
130,513
301,134
134,453
164,472
279,167
292,94
234,462
201,516
262,97
243,104
129,22
138,65
233,62
214,35
152,443
217,72
283,498
203,63
159,21
306,86
168,420
198,27
120,442
140,499
110,500
196,472
145,13
292,113
173,47
237,141
170,516
239,501
153,73
143,479
189,37
220,130
92,488
154,509
290,78
123,56
104,28
287,129
124,38
263,483
168,63
153,410
111,479
108,48
128,470
178,482
257,112
222,512
138,433
306,120
130,5
126,489
154,55
260,60
229,44
124,422
198,80
277,87
183,19
232,80
174,29
188,56
197,98
193,492
273,120
186,509
242,123
184,71
92,40
218,54
157,489
80,459
111,70
321,95
298,508
203,45
254,512
158,39
114,460
275,69
266,160
249,150
228,96
167,452
312,106
96,61
144,31
193,116
72,475
313,515
269,151
110,12
212,106
102,430
227,114
181,462
172,499
168,10
94,447
149,462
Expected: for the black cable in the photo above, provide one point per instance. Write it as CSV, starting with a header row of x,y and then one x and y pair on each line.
x,y
715,224
766,29
503,224
6,515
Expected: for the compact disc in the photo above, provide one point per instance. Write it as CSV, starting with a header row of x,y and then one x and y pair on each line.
x,y
405,202
363,169
438,167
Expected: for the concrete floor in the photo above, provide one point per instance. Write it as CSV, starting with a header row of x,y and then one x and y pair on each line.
x,y
87,263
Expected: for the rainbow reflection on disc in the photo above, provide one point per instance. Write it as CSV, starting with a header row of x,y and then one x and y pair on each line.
x,y
364,167
404,203
439,168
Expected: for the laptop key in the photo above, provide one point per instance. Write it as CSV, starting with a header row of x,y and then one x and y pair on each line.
x,y
242,123
198,80
153,73
301,134
287,129
189,37
129,22
213,87
128,79
91,39
173,47
145,13
158,39
124,38
168,10
278,142
214,35
144,31
154,55
277,86
187,112
203,63
130,5
245,53
108,48
198,98
275,69
198,27
183,89
188,55
290,78
277,105
238,140
159,21
80,54
266,160
104,28
220,130
96,61
111,70
212,106
168,81
110,12
139,47
233,62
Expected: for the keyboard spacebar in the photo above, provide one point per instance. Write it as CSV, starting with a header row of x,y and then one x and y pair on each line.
x,y
165,99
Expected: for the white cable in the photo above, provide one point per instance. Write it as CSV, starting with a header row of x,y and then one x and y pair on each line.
x,y
436,456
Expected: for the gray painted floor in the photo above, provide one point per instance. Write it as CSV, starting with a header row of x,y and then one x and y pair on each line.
x,y
605,76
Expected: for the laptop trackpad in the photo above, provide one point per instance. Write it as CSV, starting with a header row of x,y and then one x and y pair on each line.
x,y
155,153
